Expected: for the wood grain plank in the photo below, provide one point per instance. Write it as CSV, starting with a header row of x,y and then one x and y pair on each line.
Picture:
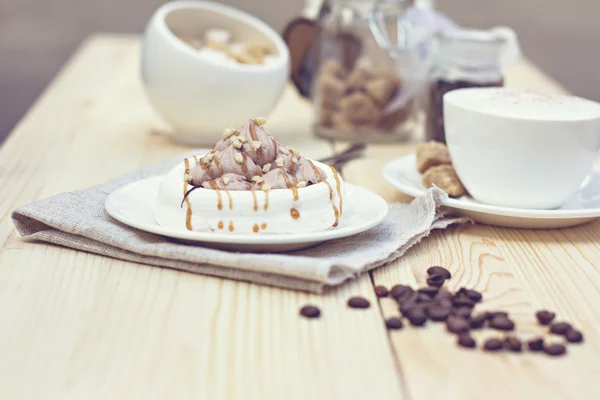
x,y
77,325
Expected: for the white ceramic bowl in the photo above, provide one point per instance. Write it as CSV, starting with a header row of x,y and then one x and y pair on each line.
x,y
521,149
197,95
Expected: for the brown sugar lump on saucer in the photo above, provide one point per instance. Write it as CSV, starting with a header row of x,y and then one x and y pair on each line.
x,y
444,177
431,154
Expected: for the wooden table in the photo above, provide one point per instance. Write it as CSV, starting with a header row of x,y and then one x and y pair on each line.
x,y
80,326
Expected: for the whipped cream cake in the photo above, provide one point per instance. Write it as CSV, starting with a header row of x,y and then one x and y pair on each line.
x,y
250,183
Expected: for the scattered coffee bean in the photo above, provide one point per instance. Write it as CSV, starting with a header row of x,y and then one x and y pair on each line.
x,y
438,312
494,314
407,298
417,316
310,312
444,303
358,302
422,297
466,340
560,328
457,324
502,323
444,295
574,336
473,295
556,349
439,271
394,323
462,300
436,280
512,343
536,344
464,312
478,321
544,317
429,291
400,291
492,344
381,291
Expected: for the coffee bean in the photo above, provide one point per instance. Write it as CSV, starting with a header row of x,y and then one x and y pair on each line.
x,y
494,314
439,271
473,295
560,328
544,317
457,324
574,336
417,316
407,297
479,320
358,302
436,280
536,344
429,291
381,291
444,295
556,349
464,312
502,323
443,303
512,343
422,298
466,340
462,300
438,312
492,344
310,312
400,290
394,323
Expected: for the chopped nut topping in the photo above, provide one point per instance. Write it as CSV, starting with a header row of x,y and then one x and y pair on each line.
x,y
256,144
260,121
279,162
209,157
237,144
227,133
257,178
266,187
266,168
187,178
242,139
226,180
284,150
239,158
301,184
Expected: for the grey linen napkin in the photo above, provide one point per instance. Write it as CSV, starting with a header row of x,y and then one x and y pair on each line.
x,y
78,220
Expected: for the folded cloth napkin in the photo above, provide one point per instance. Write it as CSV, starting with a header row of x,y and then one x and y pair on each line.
x,y
78,220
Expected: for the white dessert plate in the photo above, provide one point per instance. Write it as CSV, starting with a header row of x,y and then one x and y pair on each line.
x,y
583,207
134,205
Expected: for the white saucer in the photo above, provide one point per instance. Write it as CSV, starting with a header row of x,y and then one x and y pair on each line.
x,y
134,205
583,207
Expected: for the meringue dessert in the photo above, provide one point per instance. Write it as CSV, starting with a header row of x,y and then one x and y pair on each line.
x,y
250,183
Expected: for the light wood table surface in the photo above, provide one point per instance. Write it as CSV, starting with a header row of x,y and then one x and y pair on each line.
x,y
80,326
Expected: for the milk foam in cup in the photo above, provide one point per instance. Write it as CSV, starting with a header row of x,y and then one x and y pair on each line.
x,y
521,149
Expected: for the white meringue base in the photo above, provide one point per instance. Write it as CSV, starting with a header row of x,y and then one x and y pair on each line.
x,y
238,214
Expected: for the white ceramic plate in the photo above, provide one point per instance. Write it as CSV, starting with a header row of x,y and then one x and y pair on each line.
x,y
583,207
134,205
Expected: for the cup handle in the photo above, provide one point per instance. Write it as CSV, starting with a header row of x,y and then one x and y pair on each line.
x,y
512,50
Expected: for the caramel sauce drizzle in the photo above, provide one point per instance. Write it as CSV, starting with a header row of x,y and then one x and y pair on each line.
x,y
317,172
220,200
188,213
255,200
218,164
295,213
220,225
255,138
263,226
292,162
266,206
244,166
255,228
336,212
338,188
231,227
288,183
196,159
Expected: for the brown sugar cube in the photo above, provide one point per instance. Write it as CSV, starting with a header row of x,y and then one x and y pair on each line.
x,y
359,108
330,89
340,123
326,117
382,89
390,121
332,67
444,177
431,154
357,79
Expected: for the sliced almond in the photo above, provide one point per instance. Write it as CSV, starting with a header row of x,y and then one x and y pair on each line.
x,y
301,184
209,157
187,178
256,144
266,168
242,139
279,162
226,180
227,133
284,150
260,121
257,178
237,144
239,158
266,187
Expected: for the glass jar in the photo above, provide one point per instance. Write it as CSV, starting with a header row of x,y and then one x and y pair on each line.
x,y
363,92
465,59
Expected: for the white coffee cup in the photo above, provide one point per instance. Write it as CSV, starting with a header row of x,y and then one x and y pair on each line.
x,y
199,96
521,149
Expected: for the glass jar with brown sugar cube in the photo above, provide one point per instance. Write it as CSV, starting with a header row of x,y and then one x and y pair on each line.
x,y
361,91
465,58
